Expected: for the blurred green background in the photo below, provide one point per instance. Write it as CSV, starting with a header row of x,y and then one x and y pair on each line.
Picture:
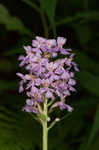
x,y
20,22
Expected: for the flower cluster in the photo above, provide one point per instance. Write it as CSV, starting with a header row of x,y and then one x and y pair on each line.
x,y
48,76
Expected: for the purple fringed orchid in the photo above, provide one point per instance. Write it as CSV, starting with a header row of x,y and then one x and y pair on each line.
x,y
47,75
48,79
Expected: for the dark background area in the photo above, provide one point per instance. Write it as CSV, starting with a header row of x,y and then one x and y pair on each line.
x,y
76,20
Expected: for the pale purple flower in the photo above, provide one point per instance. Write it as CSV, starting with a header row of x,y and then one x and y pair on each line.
x,y
20,75
65,75
29,102
39,42
61,41
21,89
21,57
75,66
71,82
49,94
63,106
28,49
29,108
72,88
64,51
50,43
24,61
72,74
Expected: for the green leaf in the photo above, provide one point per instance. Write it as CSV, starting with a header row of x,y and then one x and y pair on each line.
x,y
95,130
12,23
89,16
49,6
18,130
92,142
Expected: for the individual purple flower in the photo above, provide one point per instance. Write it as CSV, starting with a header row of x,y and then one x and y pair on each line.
x,y
71,88
64,51
21,57
63,106
28,49
24,61
61,41
75,66
49,94
30,108
38,43
20,75
71,82
21,89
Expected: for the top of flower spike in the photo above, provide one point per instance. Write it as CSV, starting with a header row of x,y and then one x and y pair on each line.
x,y
40,41
47,77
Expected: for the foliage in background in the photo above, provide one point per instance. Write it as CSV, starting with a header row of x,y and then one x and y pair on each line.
x,y
77,21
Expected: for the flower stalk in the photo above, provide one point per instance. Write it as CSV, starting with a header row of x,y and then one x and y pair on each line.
x,y
45,129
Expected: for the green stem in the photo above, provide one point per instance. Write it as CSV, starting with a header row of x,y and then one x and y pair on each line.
x,y
45,130
52,125
40,11
50,103
44,21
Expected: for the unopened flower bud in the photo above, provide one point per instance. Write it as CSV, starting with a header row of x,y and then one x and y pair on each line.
x,y
57,119
48,119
